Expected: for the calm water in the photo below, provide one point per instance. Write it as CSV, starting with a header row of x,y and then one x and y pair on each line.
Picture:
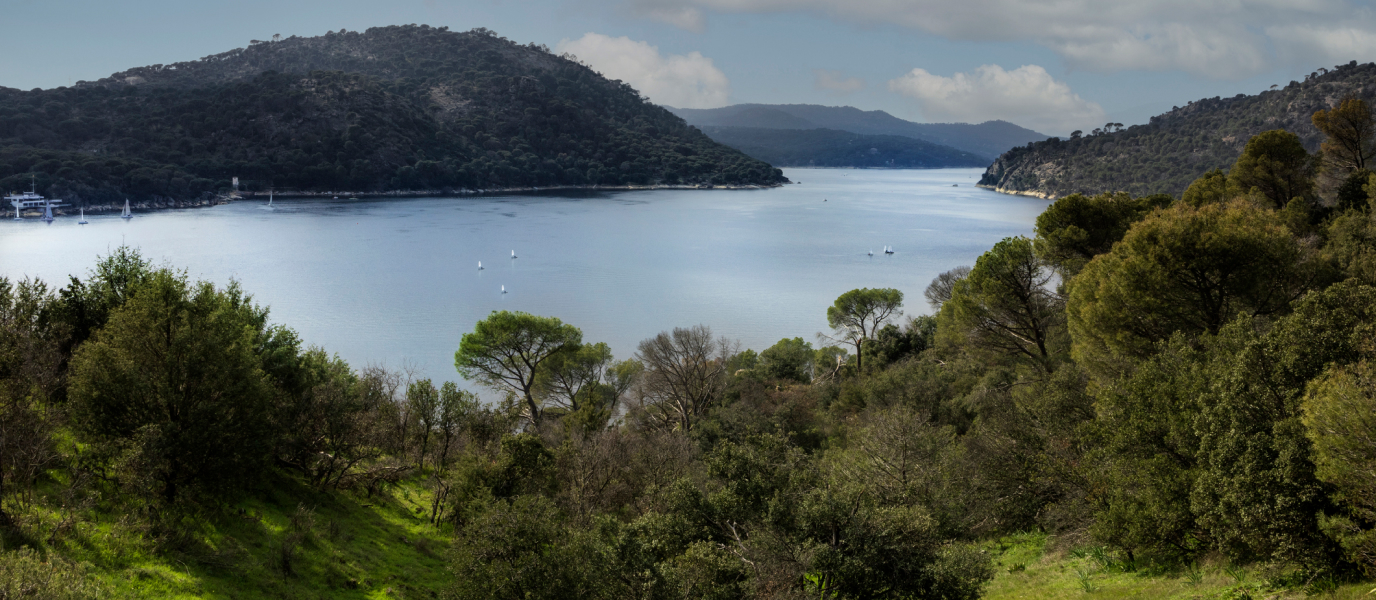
x,y
397,281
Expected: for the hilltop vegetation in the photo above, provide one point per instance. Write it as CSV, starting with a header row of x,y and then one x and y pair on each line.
x,y
1176,148
832,148
392,108
1175,396
986,140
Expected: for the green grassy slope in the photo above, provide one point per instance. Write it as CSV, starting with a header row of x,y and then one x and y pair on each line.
x,y
1028,568
287,541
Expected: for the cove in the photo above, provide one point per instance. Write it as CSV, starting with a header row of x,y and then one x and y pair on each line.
x,y
396,281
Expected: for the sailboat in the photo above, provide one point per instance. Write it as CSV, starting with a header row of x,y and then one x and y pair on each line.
x,y
48,212
126,214
480,265
513,254
888,250
871,253
269,197
83,217
503,289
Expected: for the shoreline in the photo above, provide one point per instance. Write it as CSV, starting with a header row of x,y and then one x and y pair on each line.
x,y
165,203
1042,195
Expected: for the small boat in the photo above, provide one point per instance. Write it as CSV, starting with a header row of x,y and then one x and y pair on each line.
x,y
513,254
888,250
503,289
480,265
955,185
269,197
83,217
30,199
871,253
126,214
48,212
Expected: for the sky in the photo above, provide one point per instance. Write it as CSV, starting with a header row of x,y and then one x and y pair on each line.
x,y
1049,65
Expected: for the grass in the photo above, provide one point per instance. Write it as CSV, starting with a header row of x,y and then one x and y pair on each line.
x,y
1027,569
291,541
288,541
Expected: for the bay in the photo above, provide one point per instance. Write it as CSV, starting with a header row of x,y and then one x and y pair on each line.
x,y
396,281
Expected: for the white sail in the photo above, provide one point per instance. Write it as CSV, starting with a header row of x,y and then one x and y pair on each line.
x,y
513,254
48,212
480,265
83,217
126,214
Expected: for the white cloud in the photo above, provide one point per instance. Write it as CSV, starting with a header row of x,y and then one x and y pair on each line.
x,y
679,80
1308,40
682,17
1027,95
836,81
1227,39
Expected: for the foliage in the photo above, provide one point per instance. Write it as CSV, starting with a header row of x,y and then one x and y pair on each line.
x,y
521,550
1076,228
1185,269
506,349
1349,127
1211,188
1005,307
789,359
1340,419
174,380
857,315
1275,163
30,381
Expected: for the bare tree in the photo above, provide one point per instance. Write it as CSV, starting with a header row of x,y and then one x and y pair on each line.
x,y
685,375
939,290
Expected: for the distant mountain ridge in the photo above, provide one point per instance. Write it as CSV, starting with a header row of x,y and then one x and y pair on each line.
x,y
392,108
1175,148
832,148
987,140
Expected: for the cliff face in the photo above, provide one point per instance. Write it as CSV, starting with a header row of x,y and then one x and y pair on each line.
x,y
1174,149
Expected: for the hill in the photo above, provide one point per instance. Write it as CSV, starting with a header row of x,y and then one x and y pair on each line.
x,y
986,140
1175,148
391,108
832,148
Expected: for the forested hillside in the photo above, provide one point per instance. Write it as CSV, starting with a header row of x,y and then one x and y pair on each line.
x,y
1175,148
832,148
986,140
1172,395
392,108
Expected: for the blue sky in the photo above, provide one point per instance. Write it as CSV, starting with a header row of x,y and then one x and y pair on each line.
x,y
1053,65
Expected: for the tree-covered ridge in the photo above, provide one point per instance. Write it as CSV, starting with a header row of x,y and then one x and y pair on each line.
x,y
832,148
1175,148
393,108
